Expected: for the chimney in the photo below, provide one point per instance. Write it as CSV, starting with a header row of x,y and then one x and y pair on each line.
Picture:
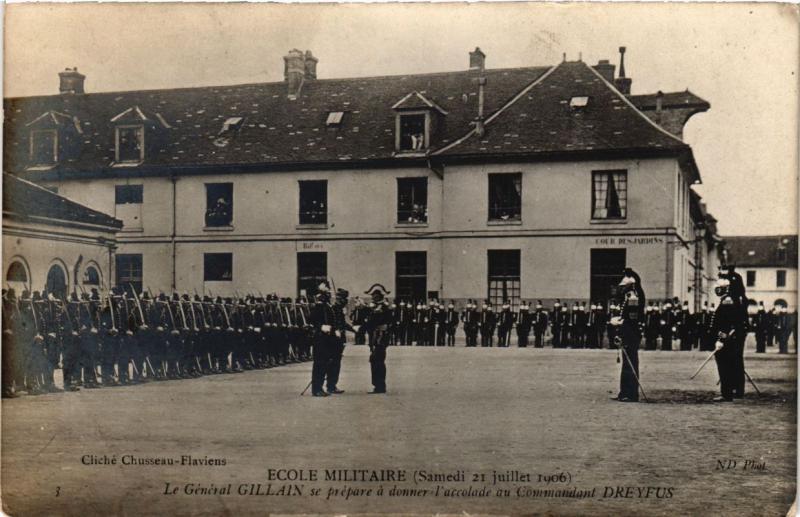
x,y
605,69
294,71
659,105
71,81
622,83
479,122
310,65
477,60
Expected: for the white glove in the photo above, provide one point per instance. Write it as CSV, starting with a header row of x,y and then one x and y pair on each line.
x,y
718,346
616,321
326,329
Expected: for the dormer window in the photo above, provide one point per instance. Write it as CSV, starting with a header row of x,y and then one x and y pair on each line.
x,y
415,120
43,147
130,144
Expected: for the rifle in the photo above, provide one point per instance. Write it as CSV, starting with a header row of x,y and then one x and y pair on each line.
x,y
139,306
183,315
111,312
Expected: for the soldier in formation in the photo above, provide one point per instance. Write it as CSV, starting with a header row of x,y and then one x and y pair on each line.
x,y
123,337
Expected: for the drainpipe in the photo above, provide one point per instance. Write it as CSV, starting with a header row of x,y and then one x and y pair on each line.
x,y
174,226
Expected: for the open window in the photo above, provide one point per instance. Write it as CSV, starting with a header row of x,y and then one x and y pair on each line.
x,y
610,194
412,200
314,202
43,147
219,205
505,197
416,119
128,202
130,144
217,267
52,138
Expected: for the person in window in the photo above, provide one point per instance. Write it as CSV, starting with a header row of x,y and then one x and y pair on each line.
x,y
219,214
628,325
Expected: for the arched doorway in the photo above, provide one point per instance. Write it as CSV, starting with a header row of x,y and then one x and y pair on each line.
x,y
56,281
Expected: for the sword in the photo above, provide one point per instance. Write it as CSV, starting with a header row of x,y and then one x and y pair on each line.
x,y
704,363
751,382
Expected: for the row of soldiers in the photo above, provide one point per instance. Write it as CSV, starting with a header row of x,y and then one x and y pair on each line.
x,y
124,337
666,325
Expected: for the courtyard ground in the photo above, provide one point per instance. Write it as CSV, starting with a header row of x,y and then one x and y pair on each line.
x,y
537,413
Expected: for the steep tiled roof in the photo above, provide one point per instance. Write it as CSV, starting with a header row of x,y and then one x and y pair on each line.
x,y
184,127
542,121
762,251
27,200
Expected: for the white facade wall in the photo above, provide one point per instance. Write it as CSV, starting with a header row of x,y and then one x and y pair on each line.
x,y
555,234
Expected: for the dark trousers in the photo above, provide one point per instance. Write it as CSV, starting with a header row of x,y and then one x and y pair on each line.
x,y
556,337
761,342
472,336
322,350
334,366
629,375
538,336
377,363
725,359
486,337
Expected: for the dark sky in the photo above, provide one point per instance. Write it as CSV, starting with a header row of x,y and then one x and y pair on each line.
x,y
742,58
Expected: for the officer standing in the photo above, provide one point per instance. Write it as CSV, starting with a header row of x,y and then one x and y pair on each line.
x,y
470,317
629,336
487,324
555,321
524,323
728,326
340,327
539,325
325,341
377,326
760,326
451,323
505,324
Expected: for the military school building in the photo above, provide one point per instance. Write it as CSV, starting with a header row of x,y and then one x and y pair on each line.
x,y
538,182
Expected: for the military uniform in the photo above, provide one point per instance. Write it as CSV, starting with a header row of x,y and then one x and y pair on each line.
x,y
377,327
470,318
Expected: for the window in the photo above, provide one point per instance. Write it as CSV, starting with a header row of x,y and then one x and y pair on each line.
x,y
412,200
505,197
44,147
130,144
129,271
17,273
91,276
751,278
334,118
411,275
504,281
780,278
609,194
125,194
217,267
312,270
413,134
219,204
314,202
